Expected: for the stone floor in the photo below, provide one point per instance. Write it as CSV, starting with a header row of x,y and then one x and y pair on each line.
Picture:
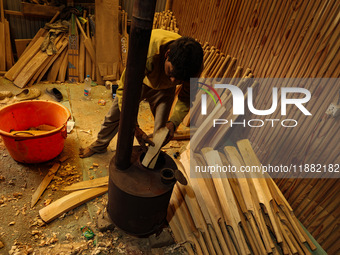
x,y
21,229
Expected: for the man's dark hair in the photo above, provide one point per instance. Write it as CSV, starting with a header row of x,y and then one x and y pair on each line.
x,y
186,57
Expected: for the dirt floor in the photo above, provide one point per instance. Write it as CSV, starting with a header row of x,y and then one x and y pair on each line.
x,y
21,229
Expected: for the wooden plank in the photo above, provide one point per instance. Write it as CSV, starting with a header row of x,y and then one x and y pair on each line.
x,y
69,202
9,51
124,39
107,34
39,10
63,68
2,39
153,151
53,72
87,42
88,61
73,51
81,64
98,182
25,58
43,185
20,45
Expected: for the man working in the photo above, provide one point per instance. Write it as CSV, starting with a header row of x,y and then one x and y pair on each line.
x,y
171,60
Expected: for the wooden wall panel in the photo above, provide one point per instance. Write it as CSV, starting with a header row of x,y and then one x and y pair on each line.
x,y
282,39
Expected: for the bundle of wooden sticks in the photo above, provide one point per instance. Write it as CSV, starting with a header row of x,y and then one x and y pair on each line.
x,y
233,212
165,20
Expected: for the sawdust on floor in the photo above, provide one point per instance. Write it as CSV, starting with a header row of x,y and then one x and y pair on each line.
x,y
23,232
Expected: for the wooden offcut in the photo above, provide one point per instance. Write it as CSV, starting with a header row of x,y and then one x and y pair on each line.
x,y
43,185
69,202
98,182
151,156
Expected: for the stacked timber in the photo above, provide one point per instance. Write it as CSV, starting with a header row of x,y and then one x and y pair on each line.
x,y
81,51
165,20
226,212
34,63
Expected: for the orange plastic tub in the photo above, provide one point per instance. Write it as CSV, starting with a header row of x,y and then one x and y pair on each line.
x,y
24,115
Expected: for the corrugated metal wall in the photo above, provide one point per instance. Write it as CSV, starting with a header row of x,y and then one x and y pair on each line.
x,y
128,5
284,39
22,27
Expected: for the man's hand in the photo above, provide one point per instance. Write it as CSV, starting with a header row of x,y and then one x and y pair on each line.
x,y
142,138
172,129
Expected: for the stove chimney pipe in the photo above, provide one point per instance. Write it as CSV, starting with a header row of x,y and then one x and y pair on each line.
x,y
140,32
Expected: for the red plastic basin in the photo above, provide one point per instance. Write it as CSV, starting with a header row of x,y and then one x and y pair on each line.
x,y
24,115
